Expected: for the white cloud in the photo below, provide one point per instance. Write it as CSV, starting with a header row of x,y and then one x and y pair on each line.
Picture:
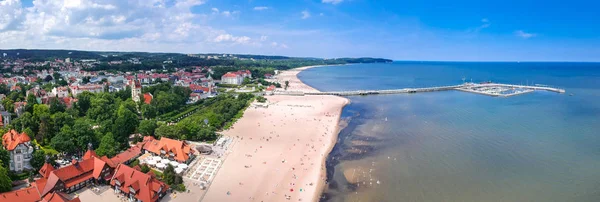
x,y
263,38
117,25
260,8
305,14
523,34
11,14
334,2
215,11
278,45
231,38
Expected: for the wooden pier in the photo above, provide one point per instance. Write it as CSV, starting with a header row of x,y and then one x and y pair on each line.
x,y
490,89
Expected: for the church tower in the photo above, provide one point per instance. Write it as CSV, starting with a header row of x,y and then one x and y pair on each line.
x,y
136,89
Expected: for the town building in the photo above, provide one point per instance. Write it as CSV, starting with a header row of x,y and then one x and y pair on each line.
x,y
174,150
5,118
136,185
75,176
235,77
148,98
20,149
60,92
231,78
136,89
93,88
20,108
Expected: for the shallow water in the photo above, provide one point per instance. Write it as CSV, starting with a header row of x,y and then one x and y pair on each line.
x,y
457,146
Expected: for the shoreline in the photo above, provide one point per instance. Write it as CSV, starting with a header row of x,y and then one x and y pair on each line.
x,y
281,151
323,185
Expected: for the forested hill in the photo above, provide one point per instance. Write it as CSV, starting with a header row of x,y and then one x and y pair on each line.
x,y
178,59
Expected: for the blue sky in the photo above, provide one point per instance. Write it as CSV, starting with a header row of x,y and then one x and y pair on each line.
x,y
401,30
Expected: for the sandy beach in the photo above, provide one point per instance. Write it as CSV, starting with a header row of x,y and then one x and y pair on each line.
x,y
279,152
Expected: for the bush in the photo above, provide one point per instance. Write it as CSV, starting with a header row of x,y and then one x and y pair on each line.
x,y
18,176
134,163
261,99
179,187
228,85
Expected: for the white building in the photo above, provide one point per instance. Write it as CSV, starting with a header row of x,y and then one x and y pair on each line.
x,y
231,78
93,88
235,77
20,149
136,90
60,92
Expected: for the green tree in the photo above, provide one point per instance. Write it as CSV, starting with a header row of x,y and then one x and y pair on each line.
x,y
261,99
147,127
4,157
63,141
5,181
171,131
56,106
29,132
148,111
84,102
9,104
125,124
41,113
107,146
83,134
145,168
61,119
31,101
38,159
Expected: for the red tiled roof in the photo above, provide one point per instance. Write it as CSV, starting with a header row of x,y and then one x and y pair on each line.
x,y
29,194
230,75
59,197
46,170
73,174
148,98
145,185
124,156
180,149
12,139
89,154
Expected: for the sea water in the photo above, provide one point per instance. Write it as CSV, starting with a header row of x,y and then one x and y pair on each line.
x,y
458,146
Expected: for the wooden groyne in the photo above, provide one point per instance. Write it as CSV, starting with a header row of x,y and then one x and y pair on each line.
x,y
490,89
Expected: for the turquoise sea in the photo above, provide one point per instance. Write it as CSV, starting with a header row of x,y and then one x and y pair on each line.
x,y
456,146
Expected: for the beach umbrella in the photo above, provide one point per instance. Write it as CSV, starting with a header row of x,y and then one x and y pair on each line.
x,y
165,161
174,163
178,170
156,158
182,166
161,165
151,162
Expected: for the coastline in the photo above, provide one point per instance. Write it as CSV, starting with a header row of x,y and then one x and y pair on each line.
x,y
281,151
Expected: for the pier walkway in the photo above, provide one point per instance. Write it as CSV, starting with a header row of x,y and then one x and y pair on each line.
x,y
490,89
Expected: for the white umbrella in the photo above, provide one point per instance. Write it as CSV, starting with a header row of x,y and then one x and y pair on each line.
x,y
182,166
174,163
165,161
156,158
160,165
178,170
151,162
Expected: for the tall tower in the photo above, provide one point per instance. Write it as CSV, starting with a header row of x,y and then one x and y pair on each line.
x,y
136,89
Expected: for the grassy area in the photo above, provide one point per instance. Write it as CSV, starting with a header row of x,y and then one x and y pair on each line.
x,y
158,174
237,116
47,150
